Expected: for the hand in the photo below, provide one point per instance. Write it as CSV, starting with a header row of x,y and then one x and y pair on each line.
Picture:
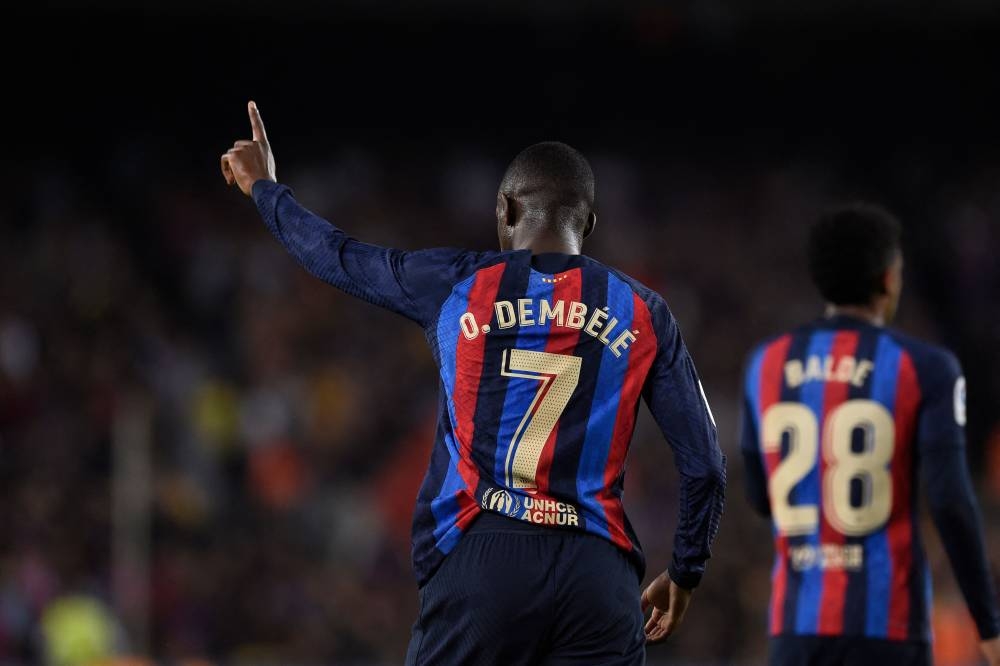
x,y
669,602
991,649
249,161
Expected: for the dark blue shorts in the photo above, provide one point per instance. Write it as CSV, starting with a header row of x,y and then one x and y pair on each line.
x,y
847,651
513,593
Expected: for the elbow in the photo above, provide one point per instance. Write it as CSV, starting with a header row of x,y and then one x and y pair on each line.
x,y
709,471
703,480
759,503
719,473
952,508
763,509
714,480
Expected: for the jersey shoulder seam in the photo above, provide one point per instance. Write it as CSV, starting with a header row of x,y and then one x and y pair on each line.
x,y
479,264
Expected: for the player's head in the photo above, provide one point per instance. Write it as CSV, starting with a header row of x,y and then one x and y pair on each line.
x,y
548,189
855,258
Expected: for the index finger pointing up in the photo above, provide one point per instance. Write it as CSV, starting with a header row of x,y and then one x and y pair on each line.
x,y
256,123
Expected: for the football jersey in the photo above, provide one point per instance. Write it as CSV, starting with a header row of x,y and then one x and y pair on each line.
x,y
543,359
837,413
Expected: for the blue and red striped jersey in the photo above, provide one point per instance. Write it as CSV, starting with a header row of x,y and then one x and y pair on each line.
x,y
543,359
839,418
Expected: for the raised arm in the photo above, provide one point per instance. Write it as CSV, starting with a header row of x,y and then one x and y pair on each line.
x,y
951,498
677,401
412,284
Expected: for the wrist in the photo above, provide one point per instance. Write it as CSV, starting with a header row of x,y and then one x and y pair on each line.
x,y
684,580
262,187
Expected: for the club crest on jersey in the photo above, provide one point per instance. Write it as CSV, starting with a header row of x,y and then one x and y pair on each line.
x,y
501,501
599,323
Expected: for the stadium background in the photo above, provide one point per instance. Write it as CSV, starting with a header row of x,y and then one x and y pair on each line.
x,y
206,456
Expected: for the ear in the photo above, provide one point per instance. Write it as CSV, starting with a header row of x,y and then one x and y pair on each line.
x,y
893,278
504,213
588,228
884,284
892,286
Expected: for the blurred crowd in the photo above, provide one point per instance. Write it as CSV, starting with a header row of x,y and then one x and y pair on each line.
x,y
289,426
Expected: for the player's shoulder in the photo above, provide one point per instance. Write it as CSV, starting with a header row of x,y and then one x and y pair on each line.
x,y
654,301
763,344
781,337
930,360
664,325
474,259
459,263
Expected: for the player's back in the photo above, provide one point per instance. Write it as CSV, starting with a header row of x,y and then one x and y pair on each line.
x,y
833,409
543,360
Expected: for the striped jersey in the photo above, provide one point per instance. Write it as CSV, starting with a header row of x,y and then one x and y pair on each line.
x,y
543,360
836,416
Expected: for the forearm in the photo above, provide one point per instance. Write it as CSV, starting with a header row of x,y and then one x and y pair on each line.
x,y
754,471
755,482
313,241
702,498
680,407
365,271
955,513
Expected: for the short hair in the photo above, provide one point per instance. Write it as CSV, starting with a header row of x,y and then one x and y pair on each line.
x,y
849,250
551,172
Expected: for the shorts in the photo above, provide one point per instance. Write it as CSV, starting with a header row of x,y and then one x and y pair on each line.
x,y
847,651
513,593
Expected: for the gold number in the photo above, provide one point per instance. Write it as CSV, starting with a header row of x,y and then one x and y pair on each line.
x,y
870,465
557,375
800,424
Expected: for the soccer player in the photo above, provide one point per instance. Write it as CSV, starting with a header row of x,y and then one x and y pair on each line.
x,y
840,416
521,548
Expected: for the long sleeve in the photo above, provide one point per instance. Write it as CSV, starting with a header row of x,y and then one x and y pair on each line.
x,y
755,476
955,513
677,401
950,494
413,284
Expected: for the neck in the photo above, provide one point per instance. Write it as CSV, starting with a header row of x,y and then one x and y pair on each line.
x,y
549,242
870,313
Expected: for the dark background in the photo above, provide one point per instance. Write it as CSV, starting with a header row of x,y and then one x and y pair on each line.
x,y
287,425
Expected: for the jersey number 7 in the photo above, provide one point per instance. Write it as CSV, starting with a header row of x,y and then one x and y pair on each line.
x,y
846,465
558,375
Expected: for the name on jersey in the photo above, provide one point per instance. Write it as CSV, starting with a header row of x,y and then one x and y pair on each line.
x,y
597,323
847,370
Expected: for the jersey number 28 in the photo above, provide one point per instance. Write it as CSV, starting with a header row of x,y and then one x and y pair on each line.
x,y
844,465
